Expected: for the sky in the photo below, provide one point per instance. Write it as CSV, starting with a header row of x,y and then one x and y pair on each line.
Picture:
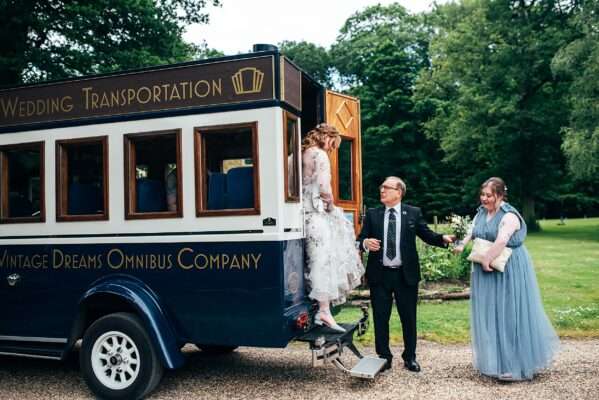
x,y
238,24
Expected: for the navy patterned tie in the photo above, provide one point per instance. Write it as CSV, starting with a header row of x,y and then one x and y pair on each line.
x,y
391,229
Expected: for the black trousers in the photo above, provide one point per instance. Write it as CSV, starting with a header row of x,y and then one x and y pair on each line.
x,y
393,285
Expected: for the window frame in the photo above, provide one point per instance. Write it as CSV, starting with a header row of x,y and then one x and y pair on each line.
x,y
201,183
353,172
4,201
130,158
62,179
297,161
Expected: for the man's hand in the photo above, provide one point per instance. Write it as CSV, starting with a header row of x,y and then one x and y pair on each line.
x,y
448,239
372,244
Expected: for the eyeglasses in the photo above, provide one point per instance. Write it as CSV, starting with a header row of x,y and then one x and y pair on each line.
x,y
385,187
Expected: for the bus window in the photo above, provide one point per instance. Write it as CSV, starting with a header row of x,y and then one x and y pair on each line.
x,y
22,183
226,170
345,169
292,158
81,170
153,175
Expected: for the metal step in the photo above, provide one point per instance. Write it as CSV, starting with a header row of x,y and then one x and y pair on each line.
x,y
327,347
367,367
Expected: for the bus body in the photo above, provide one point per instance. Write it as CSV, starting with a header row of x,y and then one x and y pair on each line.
x,y
164,205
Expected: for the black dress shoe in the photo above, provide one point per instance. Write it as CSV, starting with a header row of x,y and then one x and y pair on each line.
x,y
412,365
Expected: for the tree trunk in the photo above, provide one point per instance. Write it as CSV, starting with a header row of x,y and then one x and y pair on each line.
x,y
528,213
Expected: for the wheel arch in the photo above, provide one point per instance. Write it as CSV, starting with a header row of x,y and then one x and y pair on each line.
x,y
128,294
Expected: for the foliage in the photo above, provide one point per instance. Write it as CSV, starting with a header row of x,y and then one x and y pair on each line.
x,y
578,61
438,264
574,198
315,60
570,317
379,53
497,108
51,39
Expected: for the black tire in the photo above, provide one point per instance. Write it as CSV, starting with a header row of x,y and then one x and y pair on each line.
x,y
144,358
215,350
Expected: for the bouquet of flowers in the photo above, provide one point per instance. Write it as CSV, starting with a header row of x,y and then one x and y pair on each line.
x,y
459,226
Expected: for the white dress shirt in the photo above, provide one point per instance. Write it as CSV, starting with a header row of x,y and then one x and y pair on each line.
x,y
396,262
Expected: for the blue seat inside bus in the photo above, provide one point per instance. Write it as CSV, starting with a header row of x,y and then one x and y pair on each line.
x,y
235,189
240,187
84,198
151,195
217,191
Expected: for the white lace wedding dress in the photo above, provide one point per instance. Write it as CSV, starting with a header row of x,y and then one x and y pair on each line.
x,y
334,265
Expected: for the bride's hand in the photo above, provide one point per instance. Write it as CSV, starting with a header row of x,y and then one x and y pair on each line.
x,y
327,199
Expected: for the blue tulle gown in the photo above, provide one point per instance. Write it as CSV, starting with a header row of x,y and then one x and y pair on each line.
x,y
511,334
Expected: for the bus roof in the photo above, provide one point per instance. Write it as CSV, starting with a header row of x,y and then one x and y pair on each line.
x,y
244,81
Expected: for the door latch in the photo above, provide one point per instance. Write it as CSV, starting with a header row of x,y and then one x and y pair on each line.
x,y
13,279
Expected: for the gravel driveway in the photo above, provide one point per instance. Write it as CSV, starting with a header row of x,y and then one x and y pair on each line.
x,y
286,374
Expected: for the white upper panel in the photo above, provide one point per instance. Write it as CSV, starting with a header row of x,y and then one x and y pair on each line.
x,y
288,216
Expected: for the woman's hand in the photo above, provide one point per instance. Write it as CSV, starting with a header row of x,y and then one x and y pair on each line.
x,y
486,265
327,199
458,249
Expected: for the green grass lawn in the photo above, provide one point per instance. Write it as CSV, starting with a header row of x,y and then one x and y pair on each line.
x,y
566,259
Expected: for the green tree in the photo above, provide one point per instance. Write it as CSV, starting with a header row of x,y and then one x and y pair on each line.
x,y
51,39
313,59
379,53
498,109
579,62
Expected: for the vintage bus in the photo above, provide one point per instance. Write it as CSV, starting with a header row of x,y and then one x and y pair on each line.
x,y
147,209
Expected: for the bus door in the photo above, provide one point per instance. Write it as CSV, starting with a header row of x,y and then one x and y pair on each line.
x,y
343,112
11,300
32,296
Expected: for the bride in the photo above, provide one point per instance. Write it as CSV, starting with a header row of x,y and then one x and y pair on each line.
x,y
334,265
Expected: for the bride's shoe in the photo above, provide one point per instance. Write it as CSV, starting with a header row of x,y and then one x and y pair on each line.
x,y
329,322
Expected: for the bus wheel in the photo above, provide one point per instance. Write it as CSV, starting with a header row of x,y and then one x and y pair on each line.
x,y
118,359
215,350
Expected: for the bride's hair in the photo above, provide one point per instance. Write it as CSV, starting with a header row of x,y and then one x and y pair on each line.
x,y
497,186
317,136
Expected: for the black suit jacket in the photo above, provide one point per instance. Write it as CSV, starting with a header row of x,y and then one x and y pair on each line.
x,y
412,225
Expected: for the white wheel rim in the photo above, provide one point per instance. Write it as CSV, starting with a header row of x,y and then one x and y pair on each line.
x,y
115,360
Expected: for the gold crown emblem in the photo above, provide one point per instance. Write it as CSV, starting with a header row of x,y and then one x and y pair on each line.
x,y
247,80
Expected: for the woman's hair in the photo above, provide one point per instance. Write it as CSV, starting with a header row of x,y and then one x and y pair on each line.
x,y
317,136
497,186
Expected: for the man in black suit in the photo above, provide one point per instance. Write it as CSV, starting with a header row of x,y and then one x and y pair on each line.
x,y
393,270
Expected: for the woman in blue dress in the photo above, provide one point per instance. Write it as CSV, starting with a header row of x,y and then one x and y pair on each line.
x,y
512,337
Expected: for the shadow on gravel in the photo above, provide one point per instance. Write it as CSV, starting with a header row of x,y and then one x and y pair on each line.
x,y
254,371
243,365
22,377
27,366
